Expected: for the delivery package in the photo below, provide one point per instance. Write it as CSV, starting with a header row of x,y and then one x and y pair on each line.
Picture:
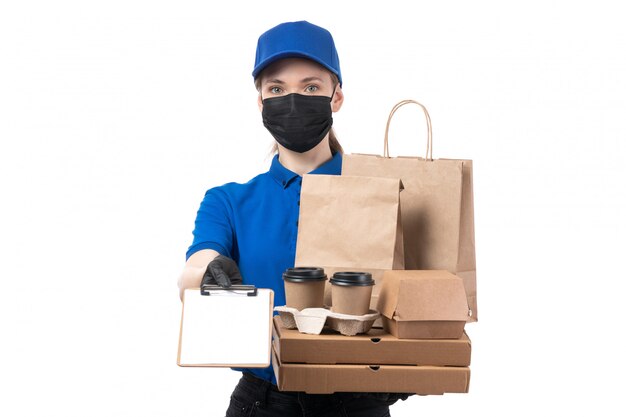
x,y
437,207
327,379
374,347
350,223
372,362
423,304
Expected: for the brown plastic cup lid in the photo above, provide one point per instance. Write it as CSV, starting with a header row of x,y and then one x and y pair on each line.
x,y
304,274
350,279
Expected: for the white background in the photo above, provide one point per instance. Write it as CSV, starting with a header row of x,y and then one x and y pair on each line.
x,y
115,117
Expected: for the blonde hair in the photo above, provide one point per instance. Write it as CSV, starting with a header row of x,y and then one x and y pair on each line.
x,y
333,142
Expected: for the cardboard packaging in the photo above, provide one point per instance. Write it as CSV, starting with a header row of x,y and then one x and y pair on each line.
x,y
423,304
350,223
313,320
375,347
326,379
437,206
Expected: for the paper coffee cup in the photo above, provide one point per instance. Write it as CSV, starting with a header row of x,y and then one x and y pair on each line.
x,y
351,292
304,287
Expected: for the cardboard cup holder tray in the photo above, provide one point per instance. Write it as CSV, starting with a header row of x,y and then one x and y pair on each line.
x,y
313,320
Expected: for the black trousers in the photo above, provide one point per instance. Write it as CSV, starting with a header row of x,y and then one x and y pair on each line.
x,y
259,398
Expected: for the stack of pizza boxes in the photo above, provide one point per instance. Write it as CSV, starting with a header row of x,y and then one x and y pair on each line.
x,y
420,346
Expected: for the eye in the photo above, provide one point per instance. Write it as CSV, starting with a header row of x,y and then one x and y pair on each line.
x,y
311,88
276,90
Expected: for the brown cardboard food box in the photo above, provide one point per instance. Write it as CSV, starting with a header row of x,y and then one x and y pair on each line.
x,y
326,379
374,347
420,304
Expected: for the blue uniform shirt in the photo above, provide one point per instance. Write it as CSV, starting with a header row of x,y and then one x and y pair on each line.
x,y
256,224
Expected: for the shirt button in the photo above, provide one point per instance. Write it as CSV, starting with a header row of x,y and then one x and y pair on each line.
x,y
298,202
296,223
258,403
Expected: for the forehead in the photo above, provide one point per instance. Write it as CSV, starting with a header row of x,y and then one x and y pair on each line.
x,y
295,69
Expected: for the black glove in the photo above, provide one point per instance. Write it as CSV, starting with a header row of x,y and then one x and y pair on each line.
x,y
222,271
388,398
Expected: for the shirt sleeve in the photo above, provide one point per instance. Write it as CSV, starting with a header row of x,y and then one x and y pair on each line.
x,y
213,226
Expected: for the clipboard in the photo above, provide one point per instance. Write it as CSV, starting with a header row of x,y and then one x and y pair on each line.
x,y
227,328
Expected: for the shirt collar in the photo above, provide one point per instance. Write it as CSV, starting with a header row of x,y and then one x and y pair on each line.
x,y
284,176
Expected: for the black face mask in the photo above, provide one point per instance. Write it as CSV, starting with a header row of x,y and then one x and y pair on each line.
x,y
298,122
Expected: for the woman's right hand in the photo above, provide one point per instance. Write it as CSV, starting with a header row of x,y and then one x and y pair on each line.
x,y
222,271
194,269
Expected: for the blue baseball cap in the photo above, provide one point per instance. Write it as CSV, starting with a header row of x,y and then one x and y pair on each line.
x,y
297,40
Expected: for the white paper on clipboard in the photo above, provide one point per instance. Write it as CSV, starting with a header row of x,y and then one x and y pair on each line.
x,y
226,329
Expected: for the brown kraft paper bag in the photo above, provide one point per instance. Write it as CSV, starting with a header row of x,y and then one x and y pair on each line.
x,y
437,207
350,223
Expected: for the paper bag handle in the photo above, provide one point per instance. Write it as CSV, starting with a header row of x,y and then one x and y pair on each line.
x,y
429,142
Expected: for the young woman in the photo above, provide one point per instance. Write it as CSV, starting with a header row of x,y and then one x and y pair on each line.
x,y
248,231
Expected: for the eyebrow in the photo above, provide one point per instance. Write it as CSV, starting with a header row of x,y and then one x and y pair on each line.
x,y
302,81
309,79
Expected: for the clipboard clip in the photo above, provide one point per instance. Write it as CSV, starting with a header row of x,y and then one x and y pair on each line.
x,y
249,290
